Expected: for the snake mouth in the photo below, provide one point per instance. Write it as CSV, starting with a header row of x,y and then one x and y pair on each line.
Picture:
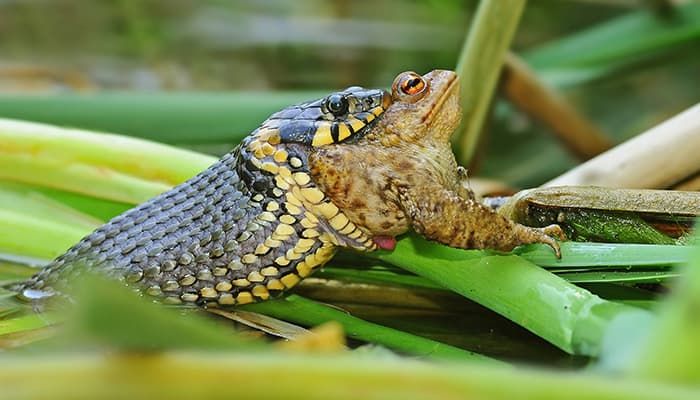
x,y
447,91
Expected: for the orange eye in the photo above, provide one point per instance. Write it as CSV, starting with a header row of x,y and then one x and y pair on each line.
x,y
412,84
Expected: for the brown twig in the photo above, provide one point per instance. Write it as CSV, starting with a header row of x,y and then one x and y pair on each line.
x,y
527,92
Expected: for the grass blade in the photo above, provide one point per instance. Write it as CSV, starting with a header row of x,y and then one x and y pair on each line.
x,y
101,165
598,50
302,311
586,255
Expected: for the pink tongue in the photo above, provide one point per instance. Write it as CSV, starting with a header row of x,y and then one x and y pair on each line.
x,y
385,242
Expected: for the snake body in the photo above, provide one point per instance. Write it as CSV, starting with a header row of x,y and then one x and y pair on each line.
x,y
247,228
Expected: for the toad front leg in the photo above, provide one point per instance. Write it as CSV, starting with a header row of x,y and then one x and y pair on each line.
x,y
441,215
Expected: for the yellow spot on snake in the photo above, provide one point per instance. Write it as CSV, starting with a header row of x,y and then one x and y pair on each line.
x,y
339,221
258,152
272,243
267,216
249,258
287,219
328,210
226,299
312,195
280,156
295,162
270,271
302,178
285,172
311,217
305,243
255,276
275,284
303,269
241,282
322,136
274,138
290,280
284,230
292,255
292,199
264,134
343,132
261,291
270,167
281,260
312,260
244,298
261,249
281,183
348,228
310,233
306,223
356,124
267,149
292,209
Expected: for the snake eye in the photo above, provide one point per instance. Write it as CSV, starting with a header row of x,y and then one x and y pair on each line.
x,y
412,84
337,104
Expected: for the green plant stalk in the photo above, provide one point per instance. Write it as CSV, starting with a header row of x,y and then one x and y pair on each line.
x,y
22,234
479,67
671,352
175,118
303,311
78,178
90,207
566,315
614,255
12,272
187,375
102,165
391,278
27,200
375,277
619,276
108,313
24,323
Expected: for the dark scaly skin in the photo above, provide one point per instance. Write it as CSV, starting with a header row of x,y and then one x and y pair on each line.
x,y
247,228
306,182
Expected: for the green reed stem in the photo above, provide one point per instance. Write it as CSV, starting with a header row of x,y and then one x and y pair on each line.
x,y
479,67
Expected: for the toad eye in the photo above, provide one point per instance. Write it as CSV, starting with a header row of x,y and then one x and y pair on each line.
x,y
412,84
337,104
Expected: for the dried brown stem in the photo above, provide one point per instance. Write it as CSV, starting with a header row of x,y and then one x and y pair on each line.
x,y
524,89
656,159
